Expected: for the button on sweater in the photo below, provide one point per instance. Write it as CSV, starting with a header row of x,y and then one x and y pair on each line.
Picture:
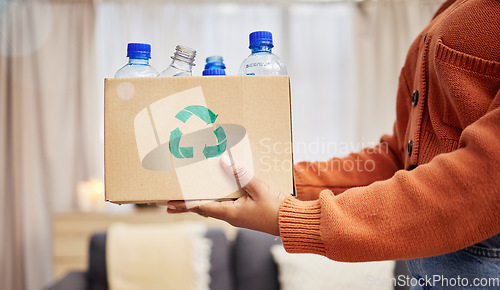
x,y
440,195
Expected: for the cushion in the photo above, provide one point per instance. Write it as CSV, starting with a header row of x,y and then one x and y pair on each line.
x,y
73,280
308,271
220,259
253,263
158,256
97,275
220,270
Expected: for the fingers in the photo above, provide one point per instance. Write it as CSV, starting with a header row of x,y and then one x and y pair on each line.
x,y
217,209
222,210
242,176
184,205
246,180
176,206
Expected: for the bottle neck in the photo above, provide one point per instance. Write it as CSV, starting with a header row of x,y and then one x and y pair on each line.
x,y
215,65
183,58
261,48
181,64
143,61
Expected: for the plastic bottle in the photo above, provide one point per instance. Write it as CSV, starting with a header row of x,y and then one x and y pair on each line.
x,y
215,66
138,62
182,62
262,61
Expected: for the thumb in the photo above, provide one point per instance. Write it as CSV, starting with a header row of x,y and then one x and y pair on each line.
x,y
245,179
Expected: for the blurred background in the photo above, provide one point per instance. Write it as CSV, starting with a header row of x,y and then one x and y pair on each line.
x,y
343,58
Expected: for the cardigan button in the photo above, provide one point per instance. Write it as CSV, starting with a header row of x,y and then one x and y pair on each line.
x,y
410,147
414,98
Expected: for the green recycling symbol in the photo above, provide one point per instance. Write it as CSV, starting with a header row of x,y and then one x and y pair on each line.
x,y
207,116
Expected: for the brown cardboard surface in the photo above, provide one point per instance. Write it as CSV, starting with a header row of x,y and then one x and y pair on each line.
x,y
253,111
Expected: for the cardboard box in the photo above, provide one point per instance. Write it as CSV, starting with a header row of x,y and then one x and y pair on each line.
x,y
164,136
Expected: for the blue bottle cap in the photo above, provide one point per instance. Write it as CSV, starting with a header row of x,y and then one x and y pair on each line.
x,y
261,38
214,72
139,50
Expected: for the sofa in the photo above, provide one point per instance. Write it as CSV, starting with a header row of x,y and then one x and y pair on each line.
x,y
244,264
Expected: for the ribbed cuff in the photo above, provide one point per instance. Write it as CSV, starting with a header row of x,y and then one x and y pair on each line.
x,y
299,223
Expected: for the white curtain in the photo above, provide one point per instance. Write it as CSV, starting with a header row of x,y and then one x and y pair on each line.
x,y
49,125
384,32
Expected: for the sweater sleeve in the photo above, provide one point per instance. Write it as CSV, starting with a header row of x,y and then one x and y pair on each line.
x,y
442,206
357,169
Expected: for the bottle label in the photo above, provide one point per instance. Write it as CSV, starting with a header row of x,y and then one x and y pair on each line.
x,y
254,64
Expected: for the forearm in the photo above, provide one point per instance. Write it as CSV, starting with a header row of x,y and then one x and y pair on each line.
x,y
339,174
443,206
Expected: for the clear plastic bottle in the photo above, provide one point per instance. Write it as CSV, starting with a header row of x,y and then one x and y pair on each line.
x,y
262,61
215,66
182,62
138,62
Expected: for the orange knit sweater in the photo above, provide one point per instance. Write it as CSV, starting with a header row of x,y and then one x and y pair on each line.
x,y
432,187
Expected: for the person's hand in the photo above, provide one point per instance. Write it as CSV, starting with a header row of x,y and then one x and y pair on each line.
x,y
257,210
